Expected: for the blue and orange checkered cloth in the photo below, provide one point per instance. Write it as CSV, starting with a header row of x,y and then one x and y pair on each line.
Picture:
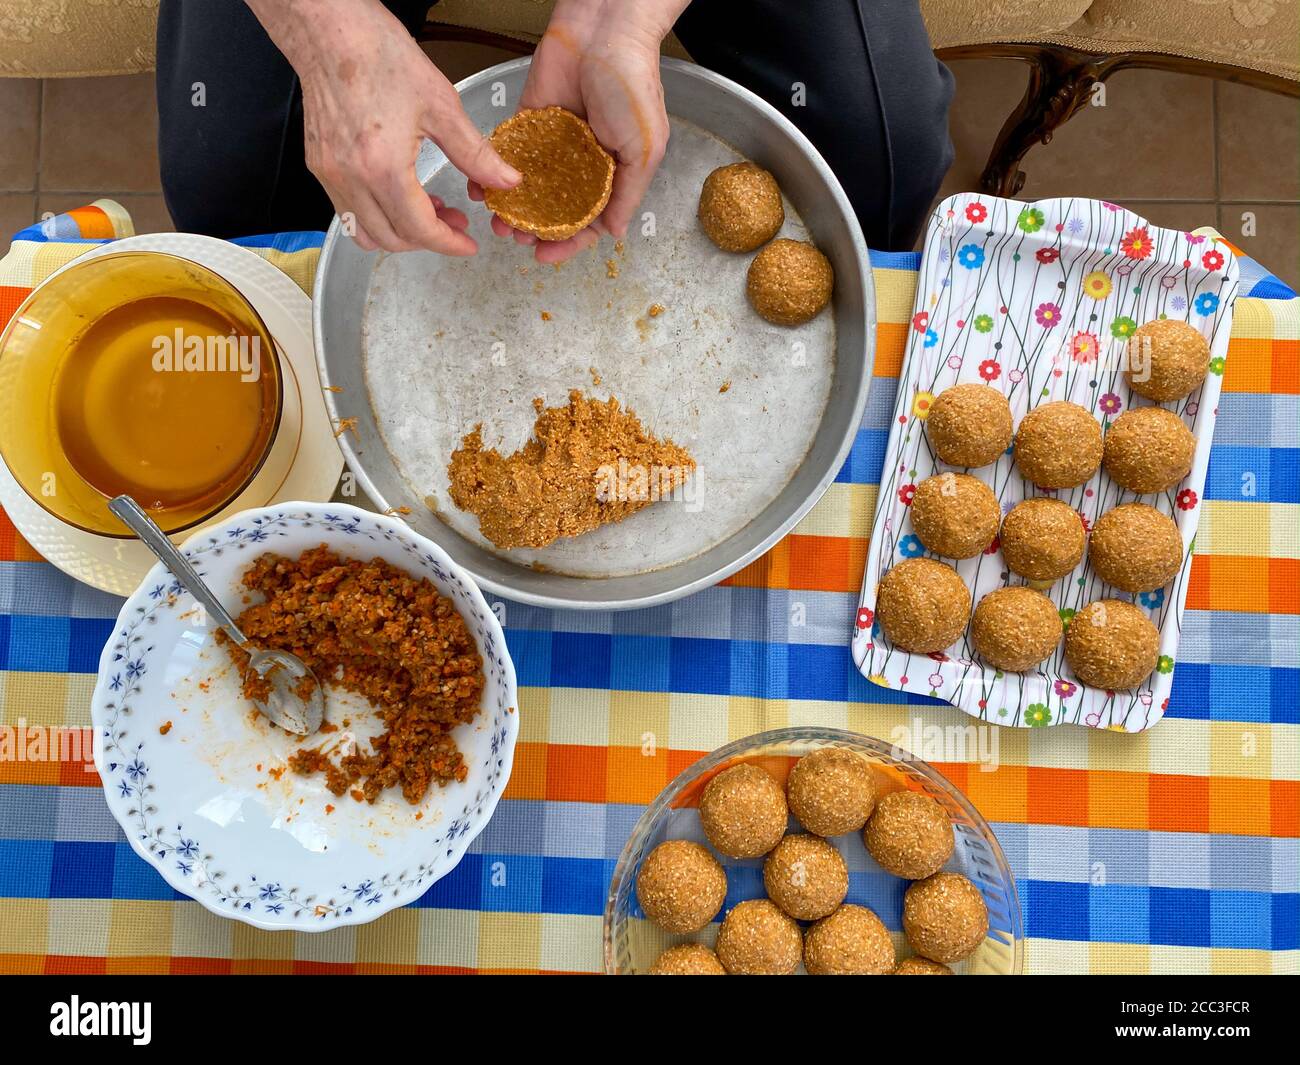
x,y
1170,851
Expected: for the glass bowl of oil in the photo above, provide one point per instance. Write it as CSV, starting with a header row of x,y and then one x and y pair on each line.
x,y
139,373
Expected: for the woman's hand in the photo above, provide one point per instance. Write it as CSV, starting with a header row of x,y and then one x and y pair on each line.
x,y
600,59
370,96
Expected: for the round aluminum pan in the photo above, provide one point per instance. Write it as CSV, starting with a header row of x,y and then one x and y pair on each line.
x,y
755,130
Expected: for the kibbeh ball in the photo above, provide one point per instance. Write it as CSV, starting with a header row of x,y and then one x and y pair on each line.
x,y
757,939
915,966
806,877
1058,445
944,917
1166,360
687,959
852,941
1015,628
740,207
909,835
1042,539
923,605
1148,449
1111,645
743,811
681,886
1135,548
789,282
831,791
969,425
955,514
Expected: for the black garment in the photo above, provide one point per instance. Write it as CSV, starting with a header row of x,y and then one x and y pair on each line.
x,y
875,99
236,166
856,76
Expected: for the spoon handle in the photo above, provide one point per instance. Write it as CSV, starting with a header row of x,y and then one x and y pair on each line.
x,y
130,512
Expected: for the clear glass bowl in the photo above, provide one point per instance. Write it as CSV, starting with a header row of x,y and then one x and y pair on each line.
x,y
632,943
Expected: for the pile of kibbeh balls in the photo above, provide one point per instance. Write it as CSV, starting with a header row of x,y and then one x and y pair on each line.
x,y
789,281
1110,644
832,791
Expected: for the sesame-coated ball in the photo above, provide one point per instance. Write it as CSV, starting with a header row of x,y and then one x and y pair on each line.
x,y
969,425
740,207
743,811
1166,360
909,835
916,966
944,917
757,939
1112,645
687,959
789,282
1015,628
1135,548
923,605
806,877
955,514
1042,539
831,791
852,941
681,886
1148,449
1058,445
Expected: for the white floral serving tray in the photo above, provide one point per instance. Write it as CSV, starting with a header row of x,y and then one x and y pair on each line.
x,y
1038,300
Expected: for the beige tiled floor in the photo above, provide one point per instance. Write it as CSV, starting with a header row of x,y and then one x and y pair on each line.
x,y
1181,150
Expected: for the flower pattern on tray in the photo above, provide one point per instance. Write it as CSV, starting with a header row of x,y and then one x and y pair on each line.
x,y
1038,301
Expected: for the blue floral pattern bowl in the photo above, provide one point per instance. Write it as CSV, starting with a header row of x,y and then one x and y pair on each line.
x,y
198,780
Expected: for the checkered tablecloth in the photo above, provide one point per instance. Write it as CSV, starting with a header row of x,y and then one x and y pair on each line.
x,y
1171,851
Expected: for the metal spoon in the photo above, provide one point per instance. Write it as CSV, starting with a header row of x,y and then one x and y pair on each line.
x,y
284,671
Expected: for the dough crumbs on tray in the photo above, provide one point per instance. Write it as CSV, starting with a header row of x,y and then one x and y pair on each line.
x,y
587,464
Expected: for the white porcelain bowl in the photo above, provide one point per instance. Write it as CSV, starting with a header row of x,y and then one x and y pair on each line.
x,y
195,777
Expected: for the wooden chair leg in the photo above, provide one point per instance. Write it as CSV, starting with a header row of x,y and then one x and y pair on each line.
x,y
437,31
1060,83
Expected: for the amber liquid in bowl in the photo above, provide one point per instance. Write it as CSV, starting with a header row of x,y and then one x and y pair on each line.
x,y
143,374
170,438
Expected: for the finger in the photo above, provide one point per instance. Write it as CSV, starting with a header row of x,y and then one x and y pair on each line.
x,y
559,251
415,218
373,220
630,185
367,225
458,220
500,228
348,218
363,239
474,190
468,149
633,175
526,239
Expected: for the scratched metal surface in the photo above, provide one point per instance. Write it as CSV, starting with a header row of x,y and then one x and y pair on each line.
x,y
425,347
449,343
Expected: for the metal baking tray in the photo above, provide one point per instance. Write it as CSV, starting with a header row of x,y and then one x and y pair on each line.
x,y
421,347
